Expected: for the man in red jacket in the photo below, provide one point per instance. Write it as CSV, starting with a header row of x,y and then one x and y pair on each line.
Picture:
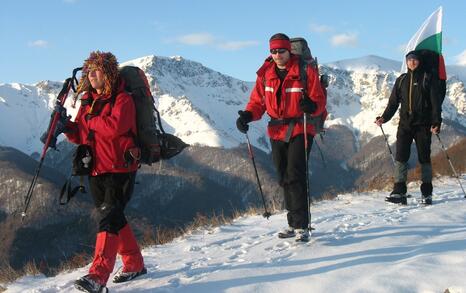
x,y
106,126
279,92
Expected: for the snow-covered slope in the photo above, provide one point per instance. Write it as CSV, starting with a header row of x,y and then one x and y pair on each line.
x,y
361,244
25,113
200,105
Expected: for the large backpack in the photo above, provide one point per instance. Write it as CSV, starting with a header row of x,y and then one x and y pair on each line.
x,y
300,48
150,134
430,61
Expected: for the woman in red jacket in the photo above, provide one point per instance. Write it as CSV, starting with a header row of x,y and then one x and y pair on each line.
x,y
106,125
279,92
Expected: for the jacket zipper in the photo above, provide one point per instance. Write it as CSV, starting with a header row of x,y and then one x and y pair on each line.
x,y
410,92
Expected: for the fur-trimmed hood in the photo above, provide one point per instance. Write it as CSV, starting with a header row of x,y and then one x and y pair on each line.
x,y
108,64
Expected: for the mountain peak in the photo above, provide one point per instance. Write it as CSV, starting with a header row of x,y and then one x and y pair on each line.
x,y
176,58
367,63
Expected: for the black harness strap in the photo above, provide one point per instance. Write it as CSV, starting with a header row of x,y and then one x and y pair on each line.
x,y
291,122
70,192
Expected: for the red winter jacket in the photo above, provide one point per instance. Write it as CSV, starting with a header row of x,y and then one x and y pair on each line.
x,y
265,98
114,126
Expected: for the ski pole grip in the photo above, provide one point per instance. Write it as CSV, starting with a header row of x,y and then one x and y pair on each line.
x,y
74,79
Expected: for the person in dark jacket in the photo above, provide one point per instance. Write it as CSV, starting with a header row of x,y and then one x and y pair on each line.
x,y
106,125
420,116
279,92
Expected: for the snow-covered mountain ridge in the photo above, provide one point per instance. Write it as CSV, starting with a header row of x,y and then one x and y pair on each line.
x,y
200,105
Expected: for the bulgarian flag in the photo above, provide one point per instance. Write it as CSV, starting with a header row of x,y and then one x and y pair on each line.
x,y
429,37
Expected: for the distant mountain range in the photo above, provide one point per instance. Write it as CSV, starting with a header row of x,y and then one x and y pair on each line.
x,y
200,105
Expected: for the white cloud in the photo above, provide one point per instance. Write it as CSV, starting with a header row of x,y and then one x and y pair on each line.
x,y
237,45
207,39
196,39
38,44
461,58
320,28
344,40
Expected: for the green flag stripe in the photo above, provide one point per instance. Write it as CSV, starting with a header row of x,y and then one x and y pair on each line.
x,y
433,43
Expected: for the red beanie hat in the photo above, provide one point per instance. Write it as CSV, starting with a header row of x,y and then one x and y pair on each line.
x,y
280,41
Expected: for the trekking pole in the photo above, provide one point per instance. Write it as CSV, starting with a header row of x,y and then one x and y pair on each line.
x,y
451,165
307,172
321,153
61,98
266,213
388,145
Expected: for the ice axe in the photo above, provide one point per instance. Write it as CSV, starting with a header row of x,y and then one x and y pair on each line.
x,y
61,98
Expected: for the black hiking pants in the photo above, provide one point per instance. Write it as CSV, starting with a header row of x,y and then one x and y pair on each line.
x,y
290,163
111,193
404,138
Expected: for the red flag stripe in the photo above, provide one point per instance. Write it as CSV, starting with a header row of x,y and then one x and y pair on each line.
x,y
442,73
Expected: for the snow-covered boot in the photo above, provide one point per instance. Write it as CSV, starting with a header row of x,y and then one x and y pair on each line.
x,y
89,283
426,190
287,233
123,276
303,235
398,195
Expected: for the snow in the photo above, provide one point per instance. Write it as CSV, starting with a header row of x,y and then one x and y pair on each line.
x,y
361,244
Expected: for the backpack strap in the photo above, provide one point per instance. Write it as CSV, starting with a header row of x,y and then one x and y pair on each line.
x,y
426,80
303,75
70,192
401,79
264,66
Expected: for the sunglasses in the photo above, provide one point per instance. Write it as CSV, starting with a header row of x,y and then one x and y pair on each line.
x,y
279,51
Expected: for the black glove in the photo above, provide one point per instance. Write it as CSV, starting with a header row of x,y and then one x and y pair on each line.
x,y
435,126
307,106
242,122
379,120
60,127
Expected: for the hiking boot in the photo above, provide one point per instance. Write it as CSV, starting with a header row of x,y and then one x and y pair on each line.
x,y
426,199
90,285
397,198
398,194
287,233
426,190
303,235
122,276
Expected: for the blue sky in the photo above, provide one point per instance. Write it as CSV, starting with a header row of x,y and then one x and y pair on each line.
x,y
47,39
